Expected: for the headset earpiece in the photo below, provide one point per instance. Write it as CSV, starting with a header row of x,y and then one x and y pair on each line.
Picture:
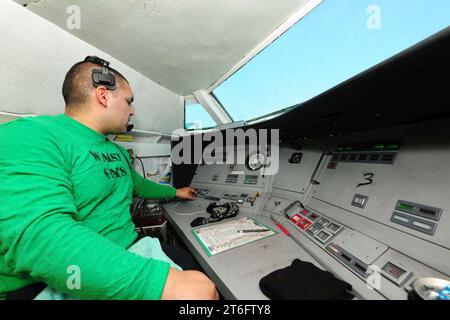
x,y
102,77
99,78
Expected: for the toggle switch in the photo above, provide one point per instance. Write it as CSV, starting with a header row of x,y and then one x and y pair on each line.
x,y
359,200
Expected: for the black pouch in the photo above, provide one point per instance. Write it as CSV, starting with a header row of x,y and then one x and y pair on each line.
x,y
304,281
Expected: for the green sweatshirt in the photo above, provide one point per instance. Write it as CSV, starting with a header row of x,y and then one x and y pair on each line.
x,y
65,195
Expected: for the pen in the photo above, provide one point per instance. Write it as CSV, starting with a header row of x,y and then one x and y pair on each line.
x,y
253,230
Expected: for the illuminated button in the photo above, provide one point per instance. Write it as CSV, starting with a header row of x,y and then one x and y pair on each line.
x,y
359,200
323,221
304,224
314,229
422,225
333,248
305,212
296,218
323,236
401,218
333,227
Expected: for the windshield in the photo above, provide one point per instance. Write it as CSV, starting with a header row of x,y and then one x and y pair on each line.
x,y
334,42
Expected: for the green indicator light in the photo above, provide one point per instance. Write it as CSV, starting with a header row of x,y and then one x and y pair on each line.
x,y
406,207
348,148
379,146
340,149
392,146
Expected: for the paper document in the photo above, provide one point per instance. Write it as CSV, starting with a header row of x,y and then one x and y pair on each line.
x,y
231,234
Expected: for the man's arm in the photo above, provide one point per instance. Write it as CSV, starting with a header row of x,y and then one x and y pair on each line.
x,y
179,284
145,188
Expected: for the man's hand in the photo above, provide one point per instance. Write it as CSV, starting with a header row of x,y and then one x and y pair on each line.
x,y
186,193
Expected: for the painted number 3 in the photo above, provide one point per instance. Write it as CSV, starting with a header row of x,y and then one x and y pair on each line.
x,y
368,177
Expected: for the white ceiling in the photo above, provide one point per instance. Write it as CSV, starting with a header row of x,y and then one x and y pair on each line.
x,y
183,45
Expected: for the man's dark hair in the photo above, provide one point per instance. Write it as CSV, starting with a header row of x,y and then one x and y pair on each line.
x,y
78,82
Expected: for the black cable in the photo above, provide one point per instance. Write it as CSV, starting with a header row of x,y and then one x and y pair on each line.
x,y
142,164
137,207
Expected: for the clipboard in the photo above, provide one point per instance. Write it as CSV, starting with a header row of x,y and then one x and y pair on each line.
x,y
231,234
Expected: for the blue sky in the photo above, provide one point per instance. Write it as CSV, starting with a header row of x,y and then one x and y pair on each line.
x,y
334,42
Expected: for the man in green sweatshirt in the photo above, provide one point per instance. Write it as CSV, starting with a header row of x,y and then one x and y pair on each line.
x,y
65,195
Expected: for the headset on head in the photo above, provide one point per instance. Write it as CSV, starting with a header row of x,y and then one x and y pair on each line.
x,y
103,77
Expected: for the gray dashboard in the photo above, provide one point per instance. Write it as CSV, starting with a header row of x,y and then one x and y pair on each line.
x,y
371,207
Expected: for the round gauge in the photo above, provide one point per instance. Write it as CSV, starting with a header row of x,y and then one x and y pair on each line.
x,y
255,162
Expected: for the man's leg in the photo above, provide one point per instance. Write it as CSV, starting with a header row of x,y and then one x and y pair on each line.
x,y
27,293
181,257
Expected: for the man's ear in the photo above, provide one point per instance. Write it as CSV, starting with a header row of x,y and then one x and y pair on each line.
x,y
101,93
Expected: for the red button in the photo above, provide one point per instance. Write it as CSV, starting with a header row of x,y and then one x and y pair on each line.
x,y
305,212
296,218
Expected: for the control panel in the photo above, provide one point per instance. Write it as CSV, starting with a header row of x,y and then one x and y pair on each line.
x,y
320,228
245,184
416,216
248,199
359,253
351,248
407,192
368,207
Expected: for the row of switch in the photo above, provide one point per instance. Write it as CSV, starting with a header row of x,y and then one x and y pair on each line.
x,y
240,199
320,228
201,193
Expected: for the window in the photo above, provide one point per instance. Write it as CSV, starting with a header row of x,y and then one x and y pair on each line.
x,y
196,117
334,42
